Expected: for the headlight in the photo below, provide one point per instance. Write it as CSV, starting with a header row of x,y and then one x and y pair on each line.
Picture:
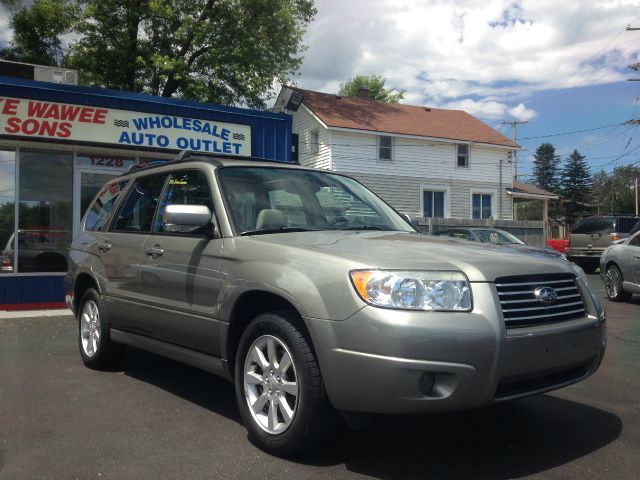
x,y
433,291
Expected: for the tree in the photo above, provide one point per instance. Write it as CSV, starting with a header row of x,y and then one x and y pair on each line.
x,y
37,30
375,84
575,187
222,51
613,192
545,167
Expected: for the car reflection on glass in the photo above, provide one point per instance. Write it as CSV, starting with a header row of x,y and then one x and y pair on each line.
x,y
39,250
497,237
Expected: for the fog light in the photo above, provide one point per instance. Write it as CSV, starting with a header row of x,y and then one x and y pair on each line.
x,y
426,383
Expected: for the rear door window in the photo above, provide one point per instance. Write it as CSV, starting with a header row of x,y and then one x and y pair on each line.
x,y
593,225
137,210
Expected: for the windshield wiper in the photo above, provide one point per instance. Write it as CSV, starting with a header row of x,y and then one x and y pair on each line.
x,y
265,231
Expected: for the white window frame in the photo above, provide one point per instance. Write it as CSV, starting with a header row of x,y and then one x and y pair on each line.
x,y
468,155
437,188
314,143
484,191
391,149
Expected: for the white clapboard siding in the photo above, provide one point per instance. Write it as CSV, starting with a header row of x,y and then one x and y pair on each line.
x,y
403,192
411,158
303,124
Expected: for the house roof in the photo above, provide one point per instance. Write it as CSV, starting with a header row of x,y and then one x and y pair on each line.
x,y
366,114
530,191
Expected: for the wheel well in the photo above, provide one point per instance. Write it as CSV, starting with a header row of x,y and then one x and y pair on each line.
x,y
609,263
248,307
83,282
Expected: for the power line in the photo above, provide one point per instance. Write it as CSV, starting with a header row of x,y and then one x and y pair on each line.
x,y
571,133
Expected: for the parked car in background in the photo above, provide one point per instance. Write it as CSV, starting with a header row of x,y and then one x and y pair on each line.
x,y
316,297
591,235
497,237
620,268
39,250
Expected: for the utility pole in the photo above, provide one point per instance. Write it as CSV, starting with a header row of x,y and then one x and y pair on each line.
x,y
636,191
515,124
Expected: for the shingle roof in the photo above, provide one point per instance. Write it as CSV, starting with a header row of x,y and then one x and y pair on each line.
x,y
365,114
519,187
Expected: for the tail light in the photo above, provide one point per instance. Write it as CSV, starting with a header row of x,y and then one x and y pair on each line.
x,y
6,265
614,237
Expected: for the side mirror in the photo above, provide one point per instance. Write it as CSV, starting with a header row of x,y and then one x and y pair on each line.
x,y
185,218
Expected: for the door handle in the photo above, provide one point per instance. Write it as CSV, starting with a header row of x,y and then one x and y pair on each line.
x,y
155,252
105,246
637,257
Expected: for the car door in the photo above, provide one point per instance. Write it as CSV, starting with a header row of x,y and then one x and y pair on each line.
x,y
180,277
120,251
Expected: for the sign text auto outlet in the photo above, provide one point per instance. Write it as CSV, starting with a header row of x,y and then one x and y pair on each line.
x,y
63,121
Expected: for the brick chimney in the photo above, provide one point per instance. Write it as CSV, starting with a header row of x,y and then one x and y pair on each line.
x,y
363,92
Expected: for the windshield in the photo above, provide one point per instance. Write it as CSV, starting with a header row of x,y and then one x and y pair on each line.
x,y
497,236
272,200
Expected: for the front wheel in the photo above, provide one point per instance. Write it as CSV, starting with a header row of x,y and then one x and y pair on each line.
x,y
613,284
279,388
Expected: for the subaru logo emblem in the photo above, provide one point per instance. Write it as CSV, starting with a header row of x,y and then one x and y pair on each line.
x,y
546,294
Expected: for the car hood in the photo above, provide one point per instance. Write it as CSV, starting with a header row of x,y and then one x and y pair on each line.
x,y
407,251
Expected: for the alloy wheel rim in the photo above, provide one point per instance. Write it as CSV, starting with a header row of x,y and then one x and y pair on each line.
x,y
90,328
613,283
270,384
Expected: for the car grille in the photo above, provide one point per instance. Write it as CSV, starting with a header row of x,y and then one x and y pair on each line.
x,y
521,308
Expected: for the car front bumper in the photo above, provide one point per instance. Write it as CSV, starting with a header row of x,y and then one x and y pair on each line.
x,y
392,361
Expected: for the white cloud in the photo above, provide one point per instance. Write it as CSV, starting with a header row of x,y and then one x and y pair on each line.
x,y
483,56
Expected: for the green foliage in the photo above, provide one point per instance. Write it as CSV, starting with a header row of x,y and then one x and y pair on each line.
x,y
222,51
375,84
545,167
575,187
613,193
37,29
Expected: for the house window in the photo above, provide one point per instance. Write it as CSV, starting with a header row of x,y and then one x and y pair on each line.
x,y
385,145
432,204
481,205
463,155
314,142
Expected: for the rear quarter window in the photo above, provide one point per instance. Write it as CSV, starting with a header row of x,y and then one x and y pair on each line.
x,y
102,206
594,225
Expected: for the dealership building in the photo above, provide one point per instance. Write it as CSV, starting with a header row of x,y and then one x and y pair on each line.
x,y
60,143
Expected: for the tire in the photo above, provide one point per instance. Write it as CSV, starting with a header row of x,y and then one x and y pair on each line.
x,y
613,285
296,416
96,349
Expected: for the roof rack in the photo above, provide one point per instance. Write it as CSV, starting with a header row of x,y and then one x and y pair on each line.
x,y
190,156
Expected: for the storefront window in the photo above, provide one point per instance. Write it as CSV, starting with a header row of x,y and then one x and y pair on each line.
x,y
7,209
96,170
45,213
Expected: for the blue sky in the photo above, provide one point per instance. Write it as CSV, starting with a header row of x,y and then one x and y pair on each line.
x,y
561,65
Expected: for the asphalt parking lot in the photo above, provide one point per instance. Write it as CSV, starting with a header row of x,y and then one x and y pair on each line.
x,y
158,419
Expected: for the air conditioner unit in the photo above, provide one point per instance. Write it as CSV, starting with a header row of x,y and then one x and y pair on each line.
x,y
40,73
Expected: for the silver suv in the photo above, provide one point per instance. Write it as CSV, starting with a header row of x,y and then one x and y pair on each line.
x,y
318,300
591,235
